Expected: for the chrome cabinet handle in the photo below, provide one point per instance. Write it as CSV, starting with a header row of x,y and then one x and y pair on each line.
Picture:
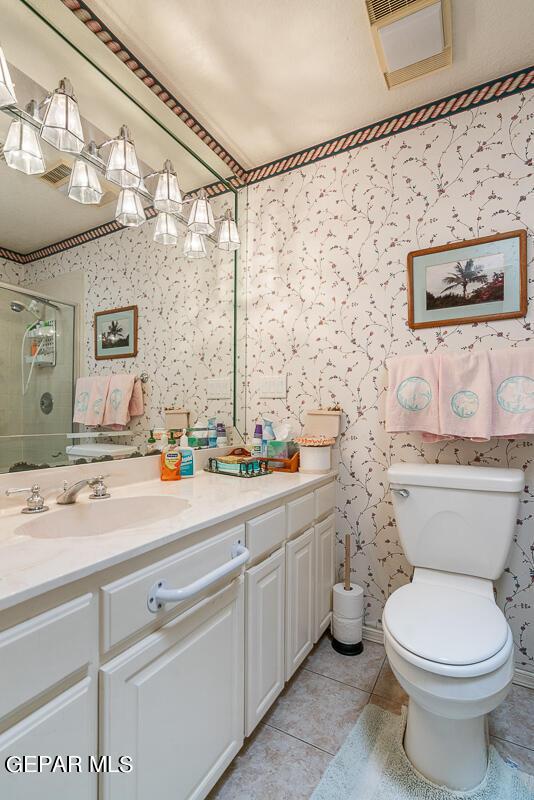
x,y
402,492
159,594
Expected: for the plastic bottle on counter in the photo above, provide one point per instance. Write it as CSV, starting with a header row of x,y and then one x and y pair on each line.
x,y
171,459
257,440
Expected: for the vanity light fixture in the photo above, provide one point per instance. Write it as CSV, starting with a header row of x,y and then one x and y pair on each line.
x,y
130,211
228,238
7,90
195,246
22,149
166,231
201,219
62,126
168,196
122,167
84,186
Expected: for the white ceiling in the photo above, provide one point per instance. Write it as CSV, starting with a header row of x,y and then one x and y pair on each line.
x,y
269,77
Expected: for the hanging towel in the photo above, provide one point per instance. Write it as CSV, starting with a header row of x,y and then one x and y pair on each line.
x,y
512,378
412,397
90,399
124,400
465,396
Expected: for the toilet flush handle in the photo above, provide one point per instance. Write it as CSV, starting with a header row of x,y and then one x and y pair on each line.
x,y
402,492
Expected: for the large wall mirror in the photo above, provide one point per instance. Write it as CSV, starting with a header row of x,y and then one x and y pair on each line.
x,y
64,262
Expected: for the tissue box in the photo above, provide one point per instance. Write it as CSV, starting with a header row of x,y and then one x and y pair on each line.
x,y
277,449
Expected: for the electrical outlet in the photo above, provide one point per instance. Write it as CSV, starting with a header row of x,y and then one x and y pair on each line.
x,y
219,388
273,387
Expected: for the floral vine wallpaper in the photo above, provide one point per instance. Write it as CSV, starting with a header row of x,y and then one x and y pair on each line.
x,y
326,290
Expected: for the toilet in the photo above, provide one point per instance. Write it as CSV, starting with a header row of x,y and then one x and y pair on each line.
x,y
448,643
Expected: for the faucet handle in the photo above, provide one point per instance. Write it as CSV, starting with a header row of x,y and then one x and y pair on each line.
x,y
99,488
35,500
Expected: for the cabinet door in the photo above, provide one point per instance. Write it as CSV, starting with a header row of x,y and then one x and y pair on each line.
x,y
174,702
325,534
66,726
300,610
264,636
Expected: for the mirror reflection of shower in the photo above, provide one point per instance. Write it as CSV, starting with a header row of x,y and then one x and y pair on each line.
x,y
42,332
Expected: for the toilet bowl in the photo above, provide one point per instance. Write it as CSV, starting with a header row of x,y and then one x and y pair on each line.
x,y
448,643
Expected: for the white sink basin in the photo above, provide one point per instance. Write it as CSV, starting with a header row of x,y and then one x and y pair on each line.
x,y
97,517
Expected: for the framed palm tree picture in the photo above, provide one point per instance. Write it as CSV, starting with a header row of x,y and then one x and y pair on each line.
x,y
116,333
466,282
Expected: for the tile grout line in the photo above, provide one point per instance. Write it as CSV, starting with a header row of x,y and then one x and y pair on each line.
x,y
304,741
378,675
509,741
337,680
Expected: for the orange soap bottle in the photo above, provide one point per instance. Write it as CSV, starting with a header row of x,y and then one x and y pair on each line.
x,y
171,459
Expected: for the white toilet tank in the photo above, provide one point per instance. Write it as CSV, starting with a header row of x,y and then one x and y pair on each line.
x,y
456,519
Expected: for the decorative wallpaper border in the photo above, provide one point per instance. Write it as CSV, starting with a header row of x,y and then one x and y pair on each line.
x,y
446,107
100,29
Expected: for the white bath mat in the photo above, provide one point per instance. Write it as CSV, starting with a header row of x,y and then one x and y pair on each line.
x,y
372,765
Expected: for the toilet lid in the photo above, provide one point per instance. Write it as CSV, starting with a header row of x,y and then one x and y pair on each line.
x,y
446,625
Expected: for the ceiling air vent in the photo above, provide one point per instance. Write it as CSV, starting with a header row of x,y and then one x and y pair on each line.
x,y
57,175
412,37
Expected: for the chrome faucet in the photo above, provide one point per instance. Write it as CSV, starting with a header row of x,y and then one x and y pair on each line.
x,y
70,493
35,501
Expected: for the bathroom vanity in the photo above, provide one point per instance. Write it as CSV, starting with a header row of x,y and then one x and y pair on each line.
x,y
87,669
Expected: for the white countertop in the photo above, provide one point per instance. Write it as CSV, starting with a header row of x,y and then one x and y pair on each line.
x,y
30,565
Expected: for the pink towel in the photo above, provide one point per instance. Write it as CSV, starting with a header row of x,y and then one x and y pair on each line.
x,y
90,399
512,377
124,400
465,396
412,398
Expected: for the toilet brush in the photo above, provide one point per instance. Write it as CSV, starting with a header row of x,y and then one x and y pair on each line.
x,y
347,612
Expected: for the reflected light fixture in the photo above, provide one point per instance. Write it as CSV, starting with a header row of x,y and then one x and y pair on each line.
x,y
22,149
122,167
201,219
84,186
7,90
130,212
166,231
168,196
62,126
228,238
195,246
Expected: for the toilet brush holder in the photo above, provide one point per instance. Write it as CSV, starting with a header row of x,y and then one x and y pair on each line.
x,y
347,619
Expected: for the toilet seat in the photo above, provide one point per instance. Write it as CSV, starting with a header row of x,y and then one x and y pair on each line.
x,y
447,630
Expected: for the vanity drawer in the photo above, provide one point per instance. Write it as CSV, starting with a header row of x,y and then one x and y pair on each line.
x,y
325,499
266,532
124,602
41,652
300,514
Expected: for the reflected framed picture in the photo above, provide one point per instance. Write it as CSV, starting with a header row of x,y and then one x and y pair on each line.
x,y
464,282
116,333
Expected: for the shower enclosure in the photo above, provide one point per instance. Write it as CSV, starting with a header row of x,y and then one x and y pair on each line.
x,y
37,356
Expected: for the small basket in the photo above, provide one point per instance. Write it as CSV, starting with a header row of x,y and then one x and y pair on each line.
x,y
282,464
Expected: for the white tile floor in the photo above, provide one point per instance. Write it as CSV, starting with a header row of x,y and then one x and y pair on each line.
x,y
287,754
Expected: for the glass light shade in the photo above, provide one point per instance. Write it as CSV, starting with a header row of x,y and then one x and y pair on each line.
x,y
7,91
84,186
130,212
228,238
62,126
22,149
166,231
201,219
168,196
195,245
122,167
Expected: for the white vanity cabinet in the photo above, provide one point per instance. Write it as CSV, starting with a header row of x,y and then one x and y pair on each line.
x,y
90,671
300,599
265,645
174,702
